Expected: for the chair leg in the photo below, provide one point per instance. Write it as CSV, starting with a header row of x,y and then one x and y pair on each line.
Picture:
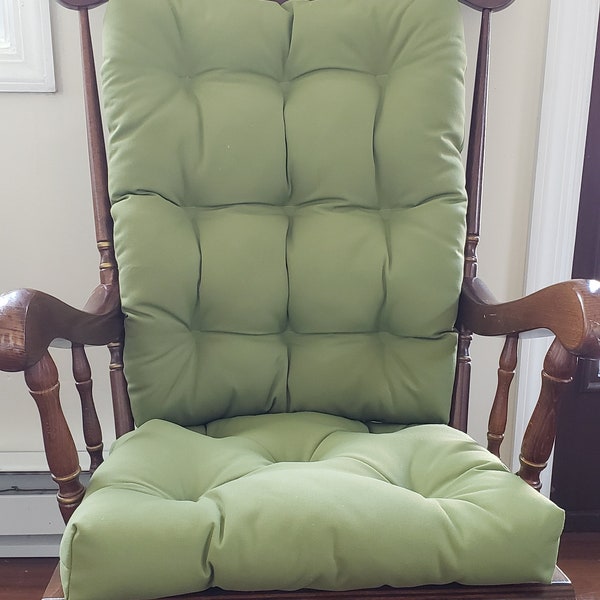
x,y
54,589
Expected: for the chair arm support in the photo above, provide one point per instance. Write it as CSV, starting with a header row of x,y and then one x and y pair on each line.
x,y
30,320
570,310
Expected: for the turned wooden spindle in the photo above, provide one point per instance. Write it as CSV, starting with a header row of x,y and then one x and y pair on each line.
x,y
474,186
121,406
97,155
476,150
557,376
102,217
462,382
42,381
499,412
92,431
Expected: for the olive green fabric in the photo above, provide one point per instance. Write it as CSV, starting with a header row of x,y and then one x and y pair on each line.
x,y
302,500
289,205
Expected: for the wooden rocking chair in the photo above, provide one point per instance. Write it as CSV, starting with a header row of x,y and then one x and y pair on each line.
x,y
287,248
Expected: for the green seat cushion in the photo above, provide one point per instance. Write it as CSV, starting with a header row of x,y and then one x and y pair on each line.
x,y
289,205
302,500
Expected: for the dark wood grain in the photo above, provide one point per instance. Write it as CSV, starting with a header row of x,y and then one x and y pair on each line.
x,y
499,411
30,320
54,589
123,416
579,556
81,4
102,218
459,409
24,578
97,156
61,454
92,431
570,310
476,148
459,413
557,377
491,5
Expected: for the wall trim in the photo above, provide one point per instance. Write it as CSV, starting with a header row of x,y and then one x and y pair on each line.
x,y
564,115
30,520
30,525
26,62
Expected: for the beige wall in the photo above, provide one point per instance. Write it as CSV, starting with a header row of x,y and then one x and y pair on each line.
x,y
46,228
46,232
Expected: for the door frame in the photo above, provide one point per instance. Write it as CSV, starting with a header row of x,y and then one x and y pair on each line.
x,y
571,45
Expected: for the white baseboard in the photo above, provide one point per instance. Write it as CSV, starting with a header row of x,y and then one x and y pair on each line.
x,y
30,525
29,546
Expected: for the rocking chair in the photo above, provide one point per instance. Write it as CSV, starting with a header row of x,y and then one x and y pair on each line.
x,y
288,290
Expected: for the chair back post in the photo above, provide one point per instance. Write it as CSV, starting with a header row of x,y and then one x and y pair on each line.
x,y
474,185
476,150
97,156
101,204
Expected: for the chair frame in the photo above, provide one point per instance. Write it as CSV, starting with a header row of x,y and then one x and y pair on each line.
x,y
31,321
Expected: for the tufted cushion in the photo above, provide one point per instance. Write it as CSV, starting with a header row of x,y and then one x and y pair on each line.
x,y
303,500
289,205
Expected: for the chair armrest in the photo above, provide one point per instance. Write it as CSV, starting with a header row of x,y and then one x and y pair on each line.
x,y
570,310
31,320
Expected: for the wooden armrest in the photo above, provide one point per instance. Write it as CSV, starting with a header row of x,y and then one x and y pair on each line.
x,y
570,310
31,320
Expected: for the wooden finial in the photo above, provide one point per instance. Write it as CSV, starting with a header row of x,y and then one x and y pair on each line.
x,y
492,5
81,4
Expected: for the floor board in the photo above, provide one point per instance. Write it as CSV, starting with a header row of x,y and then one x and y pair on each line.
x,y
579,558
26,578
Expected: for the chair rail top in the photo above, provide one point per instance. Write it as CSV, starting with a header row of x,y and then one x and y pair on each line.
x,y
492,5
477,4
81,4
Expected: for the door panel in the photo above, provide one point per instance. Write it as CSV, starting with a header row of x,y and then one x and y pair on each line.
x,y
576,471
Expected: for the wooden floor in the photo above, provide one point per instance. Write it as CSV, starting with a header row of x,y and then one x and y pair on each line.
x,y
26,578
579,558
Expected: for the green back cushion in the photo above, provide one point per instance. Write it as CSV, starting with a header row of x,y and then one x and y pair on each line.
x,y
289,203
